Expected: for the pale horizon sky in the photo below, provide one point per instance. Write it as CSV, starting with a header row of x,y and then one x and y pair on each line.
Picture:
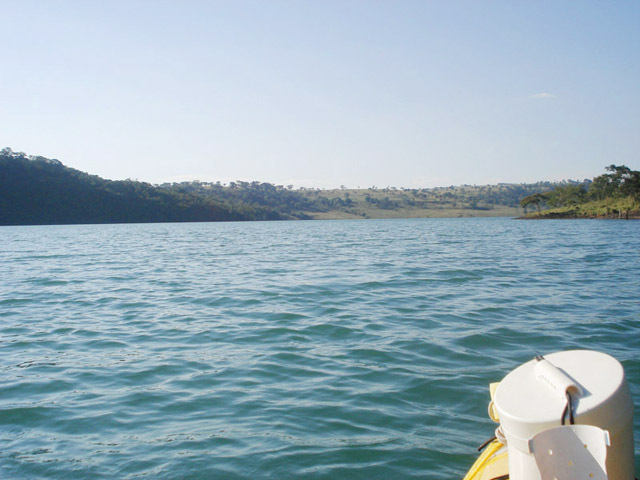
x,y
402,93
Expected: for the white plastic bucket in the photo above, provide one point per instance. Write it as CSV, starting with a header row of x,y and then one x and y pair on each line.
x,y
531,399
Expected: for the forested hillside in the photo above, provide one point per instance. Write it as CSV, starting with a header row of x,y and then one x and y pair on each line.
x,y
38,190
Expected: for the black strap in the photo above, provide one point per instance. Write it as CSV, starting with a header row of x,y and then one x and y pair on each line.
x,y
486,443
568,407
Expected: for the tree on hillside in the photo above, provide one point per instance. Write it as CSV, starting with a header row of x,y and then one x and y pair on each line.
x,y
620,182
566,196
536,199
630,183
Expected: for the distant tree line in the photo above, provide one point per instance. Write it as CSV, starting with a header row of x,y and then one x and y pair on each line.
x,y
484,197
273,202
299,204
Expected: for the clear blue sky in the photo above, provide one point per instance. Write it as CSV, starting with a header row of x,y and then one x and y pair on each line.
x,y
322,93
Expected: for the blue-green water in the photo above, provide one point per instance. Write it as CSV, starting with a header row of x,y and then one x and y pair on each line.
x,y
347,349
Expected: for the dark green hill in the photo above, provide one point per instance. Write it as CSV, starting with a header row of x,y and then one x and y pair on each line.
x,y
37,190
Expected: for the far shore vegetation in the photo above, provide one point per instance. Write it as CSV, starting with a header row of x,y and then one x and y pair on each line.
x,y
615,194
35,190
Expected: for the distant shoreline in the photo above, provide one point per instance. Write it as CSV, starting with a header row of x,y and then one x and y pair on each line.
x,y
317,219
36,190
633,215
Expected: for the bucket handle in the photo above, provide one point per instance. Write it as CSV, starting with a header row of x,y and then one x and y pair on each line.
x,y
556,379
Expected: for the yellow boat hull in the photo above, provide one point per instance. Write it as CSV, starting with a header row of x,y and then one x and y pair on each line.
x,y
492,464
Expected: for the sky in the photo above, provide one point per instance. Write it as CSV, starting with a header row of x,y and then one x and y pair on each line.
x,y
323,93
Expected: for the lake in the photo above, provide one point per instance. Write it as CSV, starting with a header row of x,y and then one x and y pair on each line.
x,y
321,350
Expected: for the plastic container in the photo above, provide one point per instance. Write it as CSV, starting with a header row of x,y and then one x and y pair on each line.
x,y
531,399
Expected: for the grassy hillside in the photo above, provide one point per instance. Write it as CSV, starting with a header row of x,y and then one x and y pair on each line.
x,y
466,201
303,203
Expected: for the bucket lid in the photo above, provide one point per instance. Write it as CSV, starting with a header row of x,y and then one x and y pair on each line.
x,y
528,404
